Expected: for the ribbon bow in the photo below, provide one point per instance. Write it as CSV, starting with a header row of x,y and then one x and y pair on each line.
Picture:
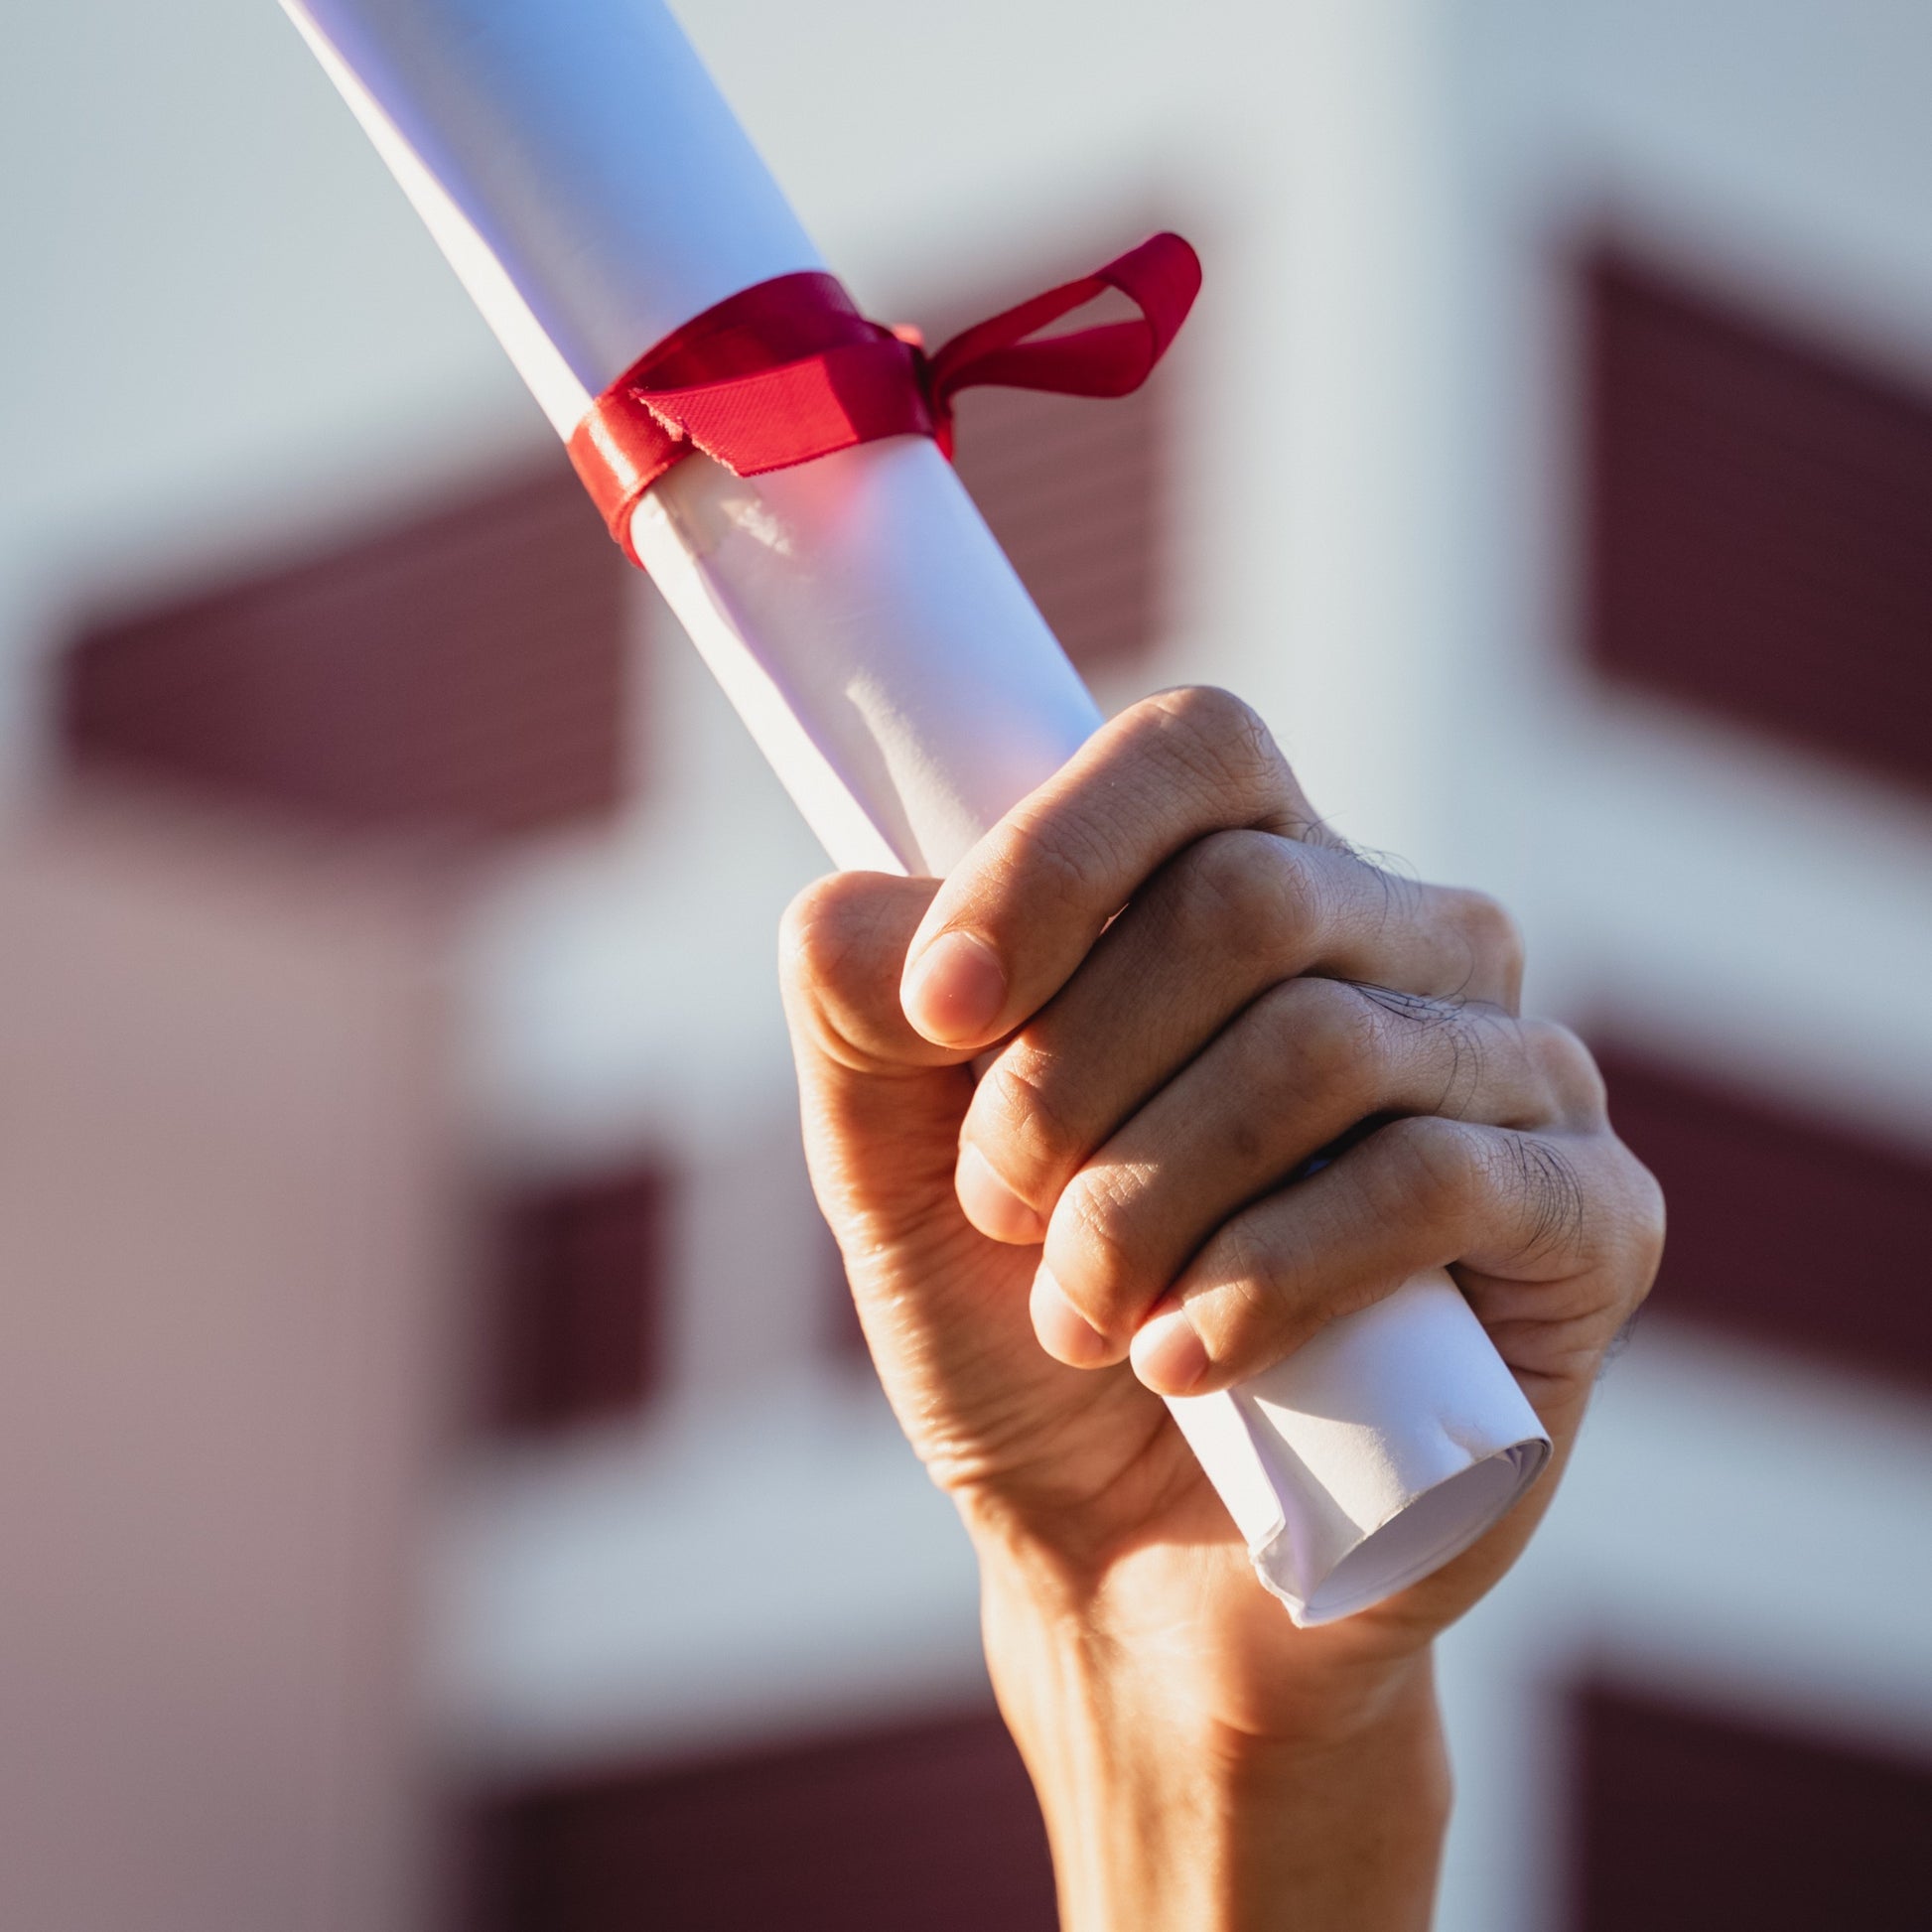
x,y
788,370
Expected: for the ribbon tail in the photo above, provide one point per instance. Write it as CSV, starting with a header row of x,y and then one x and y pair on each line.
x,y
1160,278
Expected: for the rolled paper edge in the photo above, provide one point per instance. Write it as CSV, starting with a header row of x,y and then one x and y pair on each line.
x,y
1334,1447
1524,1461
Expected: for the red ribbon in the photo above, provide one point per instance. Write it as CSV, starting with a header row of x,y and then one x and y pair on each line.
x,y
789,369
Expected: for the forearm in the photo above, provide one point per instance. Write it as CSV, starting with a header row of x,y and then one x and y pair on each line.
x,y
1160,1822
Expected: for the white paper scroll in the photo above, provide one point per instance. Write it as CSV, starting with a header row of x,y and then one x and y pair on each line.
x,y
595,191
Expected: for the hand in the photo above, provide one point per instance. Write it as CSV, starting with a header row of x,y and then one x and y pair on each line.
x,y
1182,988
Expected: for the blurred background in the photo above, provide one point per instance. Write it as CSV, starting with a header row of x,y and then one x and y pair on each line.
x,y
442,1488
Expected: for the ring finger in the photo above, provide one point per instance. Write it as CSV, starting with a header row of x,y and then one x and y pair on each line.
x,y
1310,1060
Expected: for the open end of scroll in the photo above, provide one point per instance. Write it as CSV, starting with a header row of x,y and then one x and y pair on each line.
x,y
1438,1526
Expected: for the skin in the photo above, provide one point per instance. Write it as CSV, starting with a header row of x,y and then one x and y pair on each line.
x,y
1052,1107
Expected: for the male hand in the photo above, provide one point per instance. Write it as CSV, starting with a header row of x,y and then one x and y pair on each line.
x,y
1179,987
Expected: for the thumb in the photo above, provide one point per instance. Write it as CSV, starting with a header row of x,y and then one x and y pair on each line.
x,y
841,954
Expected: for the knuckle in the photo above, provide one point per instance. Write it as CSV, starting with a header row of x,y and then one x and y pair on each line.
x,y
1565,1068
1248,1284
1439,1166
1016,1109
1645,1220
1092,1247
1059,852
1212,712
1326,1030
1259,1292
841,949
824,926
1254,892
1491,932
1228,875
1221,735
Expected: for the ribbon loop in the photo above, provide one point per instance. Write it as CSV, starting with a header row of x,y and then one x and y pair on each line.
x,y
789,371
1160,278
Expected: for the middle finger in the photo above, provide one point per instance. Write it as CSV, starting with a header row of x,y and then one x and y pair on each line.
x,y
1220,923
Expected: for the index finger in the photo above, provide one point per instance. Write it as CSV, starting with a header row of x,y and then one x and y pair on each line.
x,y
1023,908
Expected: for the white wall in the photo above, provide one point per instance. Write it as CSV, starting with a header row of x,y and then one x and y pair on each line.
x,y
229,295
226,1220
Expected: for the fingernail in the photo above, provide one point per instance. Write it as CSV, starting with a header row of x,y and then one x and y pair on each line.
x,y
955,989
1167,1353
991,1205
1064,1331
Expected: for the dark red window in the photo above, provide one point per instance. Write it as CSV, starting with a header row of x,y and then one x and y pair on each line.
x,y
458,672
933,1827
1760,520
1689,1822
575,1333
1783,1227
1073,489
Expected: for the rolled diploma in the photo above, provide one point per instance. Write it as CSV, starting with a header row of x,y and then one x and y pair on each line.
x,y
595,191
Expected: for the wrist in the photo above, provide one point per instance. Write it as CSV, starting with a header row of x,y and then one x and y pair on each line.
x,y
1163,1814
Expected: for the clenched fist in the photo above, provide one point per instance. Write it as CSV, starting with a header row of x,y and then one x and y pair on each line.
x,y
1060,1111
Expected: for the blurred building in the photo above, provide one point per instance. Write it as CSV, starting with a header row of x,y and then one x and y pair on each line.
x,y
444,1483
